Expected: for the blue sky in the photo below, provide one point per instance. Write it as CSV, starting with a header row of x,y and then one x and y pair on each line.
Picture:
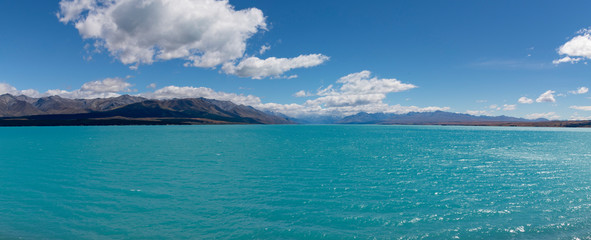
x,y
460,56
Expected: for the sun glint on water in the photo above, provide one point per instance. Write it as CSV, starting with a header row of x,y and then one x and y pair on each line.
x,y
294,182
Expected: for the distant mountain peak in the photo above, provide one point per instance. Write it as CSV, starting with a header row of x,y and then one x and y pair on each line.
x,y
435,117
128,106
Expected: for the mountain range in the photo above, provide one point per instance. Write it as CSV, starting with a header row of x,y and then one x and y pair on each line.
x,y
132,110
127,110
436,117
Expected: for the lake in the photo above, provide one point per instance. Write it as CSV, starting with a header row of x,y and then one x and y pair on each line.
x,y
294,182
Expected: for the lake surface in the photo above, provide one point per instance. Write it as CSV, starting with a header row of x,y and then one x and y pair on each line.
x,y
294,182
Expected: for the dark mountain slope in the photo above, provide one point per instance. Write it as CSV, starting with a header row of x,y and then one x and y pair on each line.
x,y
59,105
175,111
105,104
15,106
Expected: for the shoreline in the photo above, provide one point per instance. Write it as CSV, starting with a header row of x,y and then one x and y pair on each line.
x,y
23,122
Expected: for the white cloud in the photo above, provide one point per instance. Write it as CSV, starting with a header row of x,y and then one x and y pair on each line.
x,y
110,87
509,107
302,93
107,85
581,90
548,115
576,116
151,85
478,112
106,88
71,10
299,110
583,108
264,49
80,94
567,59
576,49
171,92
343,100
325,91
293,109
547,96
256,68
358,89
205,32
6,88
505,107
359,92
525,100
30,93
362,83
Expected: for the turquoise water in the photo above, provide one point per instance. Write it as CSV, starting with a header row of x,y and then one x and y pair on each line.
x,y
294,182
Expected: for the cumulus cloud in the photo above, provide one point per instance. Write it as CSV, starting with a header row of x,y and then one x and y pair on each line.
x,y
576,49
343,100
80,94
547,96
548,115
302,93
6,88
106,88
151,85
358,89
509,107
293,109
525,100
583,108
581,90
256,68
363,83
478,112
300,110
207,33
171,92
109,87
358,92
